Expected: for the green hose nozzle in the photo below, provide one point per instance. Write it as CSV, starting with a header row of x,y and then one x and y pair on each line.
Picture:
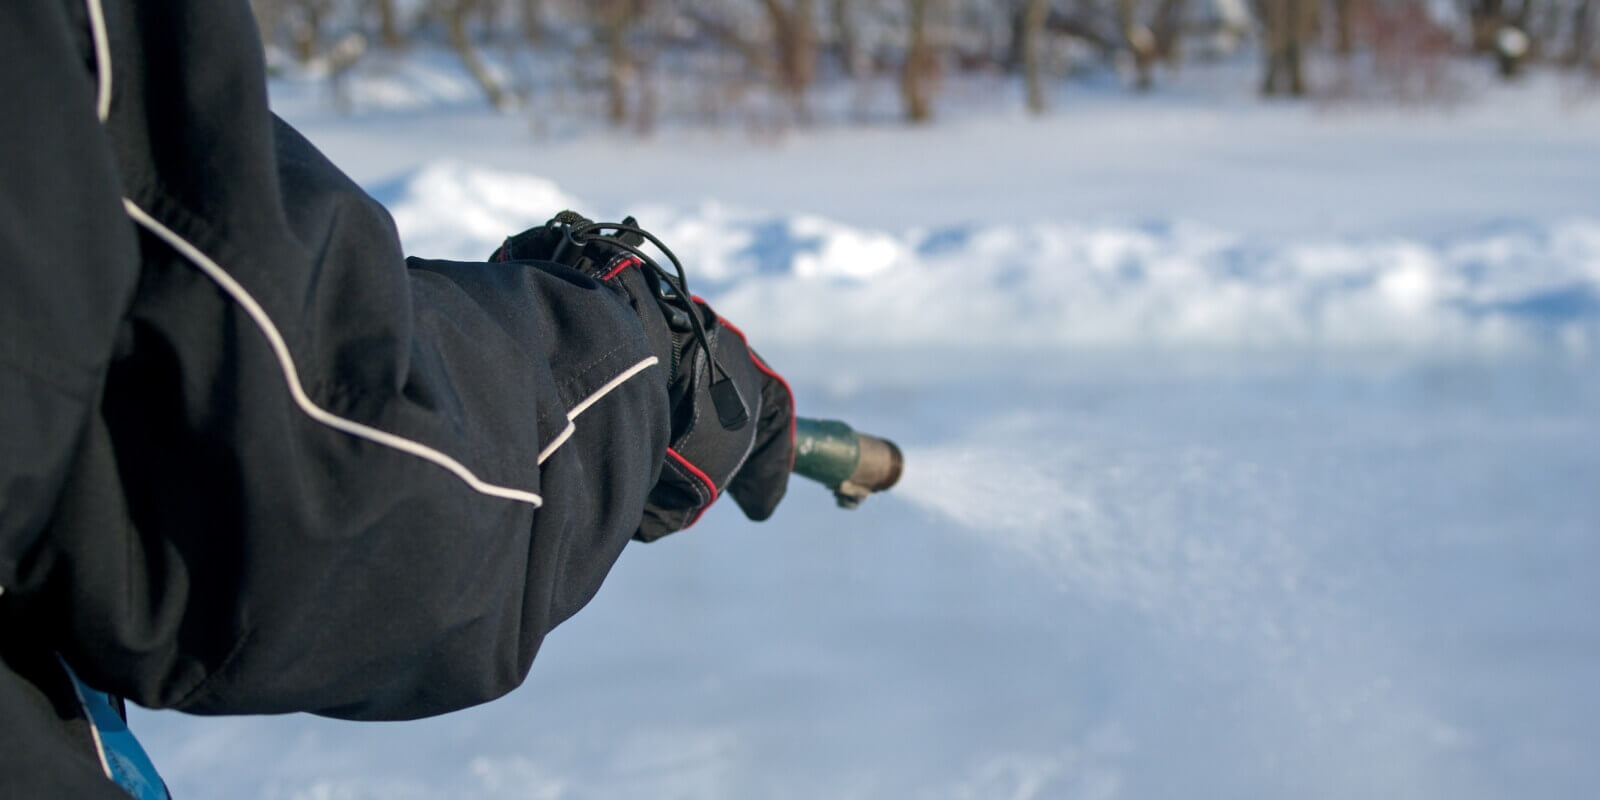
x,y
852,464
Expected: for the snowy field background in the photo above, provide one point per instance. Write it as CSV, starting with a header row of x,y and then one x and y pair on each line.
x,y
1252,451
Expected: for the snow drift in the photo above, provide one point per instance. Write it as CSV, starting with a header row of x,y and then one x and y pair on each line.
x,y
1506,287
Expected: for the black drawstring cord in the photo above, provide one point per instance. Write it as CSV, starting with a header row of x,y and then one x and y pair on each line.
x,y
731,409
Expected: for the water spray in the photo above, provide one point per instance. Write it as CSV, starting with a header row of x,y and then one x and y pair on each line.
x,y
852,464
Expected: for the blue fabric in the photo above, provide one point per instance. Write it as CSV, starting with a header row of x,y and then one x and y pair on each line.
x,y
127,762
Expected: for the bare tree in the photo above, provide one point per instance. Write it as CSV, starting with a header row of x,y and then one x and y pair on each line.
x,y
1150,32
794,31
531,15
1287,30
305,19
1582,41
616,20
388,24
1087,21
847,38
919,75
457,16
741,55
1030,34
268,14
1500,28
1410,55
1344,44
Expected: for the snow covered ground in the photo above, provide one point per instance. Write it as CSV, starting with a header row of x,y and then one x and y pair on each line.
x,y
1252,451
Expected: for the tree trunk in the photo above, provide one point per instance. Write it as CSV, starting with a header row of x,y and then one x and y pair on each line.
x,y
1344,43
267,13
1485,18
1168,30
1031,35
844,29
614,17
794,29
308,36
532,18
920,73
1501,29
1582,34
388,25
457,16
1288,25
1152,41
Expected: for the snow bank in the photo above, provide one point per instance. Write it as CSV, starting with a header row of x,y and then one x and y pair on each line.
x,y
1168,285
450,210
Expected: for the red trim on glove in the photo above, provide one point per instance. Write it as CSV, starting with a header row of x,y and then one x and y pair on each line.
x,y
699,475
630,261
762,365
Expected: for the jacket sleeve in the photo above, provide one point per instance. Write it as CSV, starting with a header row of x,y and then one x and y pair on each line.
x,y
67,267
316,476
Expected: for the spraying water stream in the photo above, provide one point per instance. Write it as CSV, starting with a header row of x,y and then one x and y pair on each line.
x,y
1327,541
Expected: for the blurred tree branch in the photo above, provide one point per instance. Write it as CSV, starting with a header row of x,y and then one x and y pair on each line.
x,y
712,52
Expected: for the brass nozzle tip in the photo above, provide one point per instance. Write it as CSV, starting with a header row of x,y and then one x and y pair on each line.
x,y
880,465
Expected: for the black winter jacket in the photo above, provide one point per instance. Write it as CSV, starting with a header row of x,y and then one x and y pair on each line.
x,y
252,460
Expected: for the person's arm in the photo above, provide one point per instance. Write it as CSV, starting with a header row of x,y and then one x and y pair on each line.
x,y
331,464
318,477
68,262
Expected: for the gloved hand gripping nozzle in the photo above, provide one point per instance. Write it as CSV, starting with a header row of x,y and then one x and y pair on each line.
x,y
852,464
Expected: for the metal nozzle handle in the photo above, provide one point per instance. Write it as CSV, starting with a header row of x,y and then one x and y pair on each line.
x,y
852,464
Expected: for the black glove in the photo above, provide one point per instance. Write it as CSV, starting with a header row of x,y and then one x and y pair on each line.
x,y
732,415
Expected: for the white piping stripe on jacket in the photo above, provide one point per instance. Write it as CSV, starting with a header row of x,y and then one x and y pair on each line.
x,y
572,416
241,296
102,59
